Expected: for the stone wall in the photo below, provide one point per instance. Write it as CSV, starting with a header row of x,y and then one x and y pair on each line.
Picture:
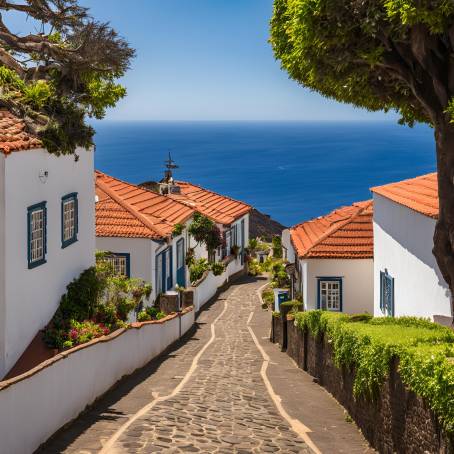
x,y
397,421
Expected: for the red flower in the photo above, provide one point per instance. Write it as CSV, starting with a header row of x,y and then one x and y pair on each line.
x,y
73,334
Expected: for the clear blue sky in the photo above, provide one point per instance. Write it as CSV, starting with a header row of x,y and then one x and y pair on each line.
x,y
209,60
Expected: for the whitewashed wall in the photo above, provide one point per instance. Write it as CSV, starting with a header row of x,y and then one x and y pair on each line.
x,y
32,296
2,266
287,243
207,289
357,282
403,245
210,285
74,380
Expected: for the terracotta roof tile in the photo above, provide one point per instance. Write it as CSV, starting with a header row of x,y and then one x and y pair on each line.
x,y
220,208
419,194
13,136
344,233
126,210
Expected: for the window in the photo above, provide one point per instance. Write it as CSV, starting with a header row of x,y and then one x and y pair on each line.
x,y
37,233
69,220
330,293
120,264
386,293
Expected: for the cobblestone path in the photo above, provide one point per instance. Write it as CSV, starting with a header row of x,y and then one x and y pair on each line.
x,y
224,406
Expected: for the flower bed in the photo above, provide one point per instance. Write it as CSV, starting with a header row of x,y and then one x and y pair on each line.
x,y
97,303
424,351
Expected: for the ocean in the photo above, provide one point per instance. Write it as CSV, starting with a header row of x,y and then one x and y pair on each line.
x,y
293,171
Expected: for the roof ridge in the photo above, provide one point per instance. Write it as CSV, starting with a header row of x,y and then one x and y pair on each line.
x,y
143,219
339,225
213,192
420,177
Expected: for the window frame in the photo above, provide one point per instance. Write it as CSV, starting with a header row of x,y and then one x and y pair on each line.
x,y
73,239
125,255
338,279
42,206
385,276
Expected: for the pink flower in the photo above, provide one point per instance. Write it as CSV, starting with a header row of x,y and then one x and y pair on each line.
x,y
73,334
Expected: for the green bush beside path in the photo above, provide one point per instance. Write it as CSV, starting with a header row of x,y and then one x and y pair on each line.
x,y
425,351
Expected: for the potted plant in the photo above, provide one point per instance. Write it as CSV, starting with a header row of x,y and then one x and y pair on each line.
x,y
235,250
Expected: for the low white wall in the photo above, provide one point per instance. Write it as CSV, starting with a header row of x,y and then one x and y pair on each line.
x,y
403,241
207,288
41,401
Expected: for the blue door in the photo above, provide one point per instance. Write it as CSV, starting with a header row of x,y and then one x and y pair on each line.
x,y
164,280
181,271
242,241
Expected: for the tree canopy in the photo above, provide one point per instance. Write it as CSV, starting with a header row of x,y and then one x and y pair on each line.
x,y
63,72
379,55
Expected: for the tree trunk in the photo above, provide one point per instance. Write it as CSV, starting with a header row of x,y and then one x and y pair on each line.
x,y
444,231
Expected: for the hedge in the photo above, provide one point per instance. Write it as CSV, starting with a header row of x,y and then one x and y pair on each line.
x,y
425,351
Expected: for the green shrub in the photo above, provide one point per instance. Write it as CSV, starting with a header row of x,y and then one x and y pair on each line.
x,y
217,268
253,267
424,349
143,316
198,268
279,277
268,296
177,229
160,315
152,311
277,247
97,297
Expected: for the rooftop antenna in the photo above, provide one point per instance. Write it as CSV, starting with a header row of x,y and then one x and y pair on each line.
x,y
170,166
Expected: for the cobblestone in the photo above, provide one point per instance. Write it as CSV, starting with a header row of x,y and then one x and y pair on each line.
x,y
224,407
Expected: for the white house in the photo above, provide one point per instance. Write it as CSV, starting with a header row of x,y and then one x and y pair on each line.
x,y
230,215
407,278
333,257
137,227
46,233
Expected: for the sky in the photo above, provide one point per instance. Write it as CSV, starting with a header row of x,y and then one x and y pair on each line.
x,y
208,60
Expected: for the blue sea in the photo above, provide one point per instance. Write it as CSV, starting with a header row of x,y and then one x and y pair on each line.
x,y
292,171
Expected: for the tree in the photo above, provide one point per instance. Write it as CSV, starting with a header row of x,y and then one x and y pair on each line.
x,y
55,77
205,231
381,55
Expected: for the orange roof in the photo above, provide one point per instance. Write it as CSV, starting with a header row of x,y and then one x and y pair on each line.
x,y
126,210
219,208
13,136
419,194
345,233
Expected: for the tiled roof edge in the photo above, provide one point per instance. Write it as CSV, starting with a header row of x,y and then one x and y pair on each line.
x,y
337,227
144,220
249,207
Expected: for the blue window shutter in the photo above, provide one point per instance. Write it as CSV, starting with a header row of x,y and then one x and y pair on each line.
x,y
70,197
30,210
382,289
45,230
170,277
76,214
29,235
392,296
